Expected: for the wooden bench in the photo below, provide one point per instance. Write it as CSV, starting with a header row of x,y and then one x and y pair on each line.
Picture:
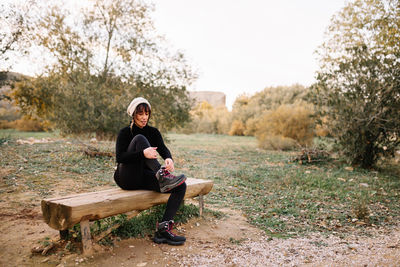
x,y
64,212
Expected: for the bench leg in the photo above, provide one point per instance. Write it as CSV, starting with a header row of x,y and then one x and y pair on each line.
x,y
201,204
86,237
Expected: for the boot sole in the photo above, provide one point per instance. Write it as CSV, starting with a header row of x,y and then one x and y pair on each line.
x,y
167,241
167,188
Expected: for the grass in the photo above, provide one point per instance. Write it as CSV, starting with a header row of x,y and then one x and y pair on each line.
x,y
19,134
285,198
279,196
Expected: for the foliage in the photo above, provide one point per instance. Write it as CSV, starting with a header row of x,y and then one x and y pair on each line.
x,y
24,124
358,85
250,109
322,127
100,60
4,124
205,118
286,126
8,110
237,128
276,142
12,24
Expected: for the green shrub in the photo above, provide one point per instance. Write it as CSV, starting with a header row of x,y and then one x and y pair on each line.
x,y
358,83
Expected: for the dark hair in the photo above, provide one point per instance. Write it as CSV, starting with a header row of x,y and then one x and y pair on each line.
x,y
142,107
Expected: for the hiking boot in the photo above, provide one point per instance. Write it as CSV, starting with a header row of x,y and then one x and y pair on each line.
x,y
167,181
164,234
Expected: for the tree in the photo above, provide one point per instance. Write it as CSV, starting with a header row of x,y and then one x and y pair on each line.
x,y
103,57
358,84
14,25
11,25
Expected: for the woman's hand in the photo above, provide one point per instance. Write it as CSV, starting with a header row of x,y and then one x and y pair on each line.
x,y
150,153
169,165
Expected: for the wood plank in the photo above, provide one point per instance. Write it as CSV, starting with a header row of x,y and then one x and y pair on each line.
x,y
109,194
64,212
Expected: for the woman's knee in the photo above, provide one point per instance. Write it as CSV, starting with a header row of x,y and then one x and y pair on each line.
x,y
140,138
139,142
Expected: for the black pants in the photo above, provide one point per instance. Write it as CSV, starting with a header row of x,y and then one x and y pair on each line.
x,y
142,175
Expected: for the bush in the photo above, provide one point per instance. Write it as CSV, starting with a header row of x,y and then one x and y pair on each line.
x,y
204,118
237,128
24,124
4,124
322,128
290,122
251,126
249,109
29,125
275,142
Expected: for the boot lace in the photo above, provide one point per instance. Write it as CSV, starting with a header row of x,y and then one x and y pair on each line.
x,y
168,175
170,227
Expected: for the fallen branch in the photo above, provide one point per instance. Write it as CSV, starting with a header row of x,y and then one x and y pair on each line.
x,y
93,153
311,156
43,250
49,247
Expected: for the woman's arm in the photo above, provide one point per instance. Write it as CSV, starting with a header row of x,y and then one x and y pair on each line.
x,y
121,148
164,151
161,147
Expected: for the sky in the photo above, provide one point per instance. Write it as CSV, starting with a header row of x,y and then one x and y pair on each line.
x,y
244,46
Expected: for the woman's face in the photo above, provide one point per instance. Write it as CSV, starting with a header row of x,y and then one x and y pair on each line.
x,y
141,119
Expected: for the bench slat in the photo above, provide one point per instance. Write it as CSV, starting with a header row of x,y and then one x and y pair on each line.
x,y
64,212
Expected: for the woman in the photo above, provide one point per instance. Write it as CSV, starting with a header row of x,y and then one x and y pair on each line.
x,y
138,168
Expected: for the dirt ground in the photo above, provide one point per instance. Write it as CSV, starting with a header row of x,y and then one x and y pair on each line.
x,y
228,241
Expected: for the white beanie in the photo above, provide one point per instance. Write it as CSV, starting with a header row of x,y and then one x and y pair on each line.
x,y
135,102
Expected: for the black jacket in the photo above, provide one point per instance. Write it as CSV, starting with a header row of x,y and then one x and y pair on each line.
x,y
125,137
